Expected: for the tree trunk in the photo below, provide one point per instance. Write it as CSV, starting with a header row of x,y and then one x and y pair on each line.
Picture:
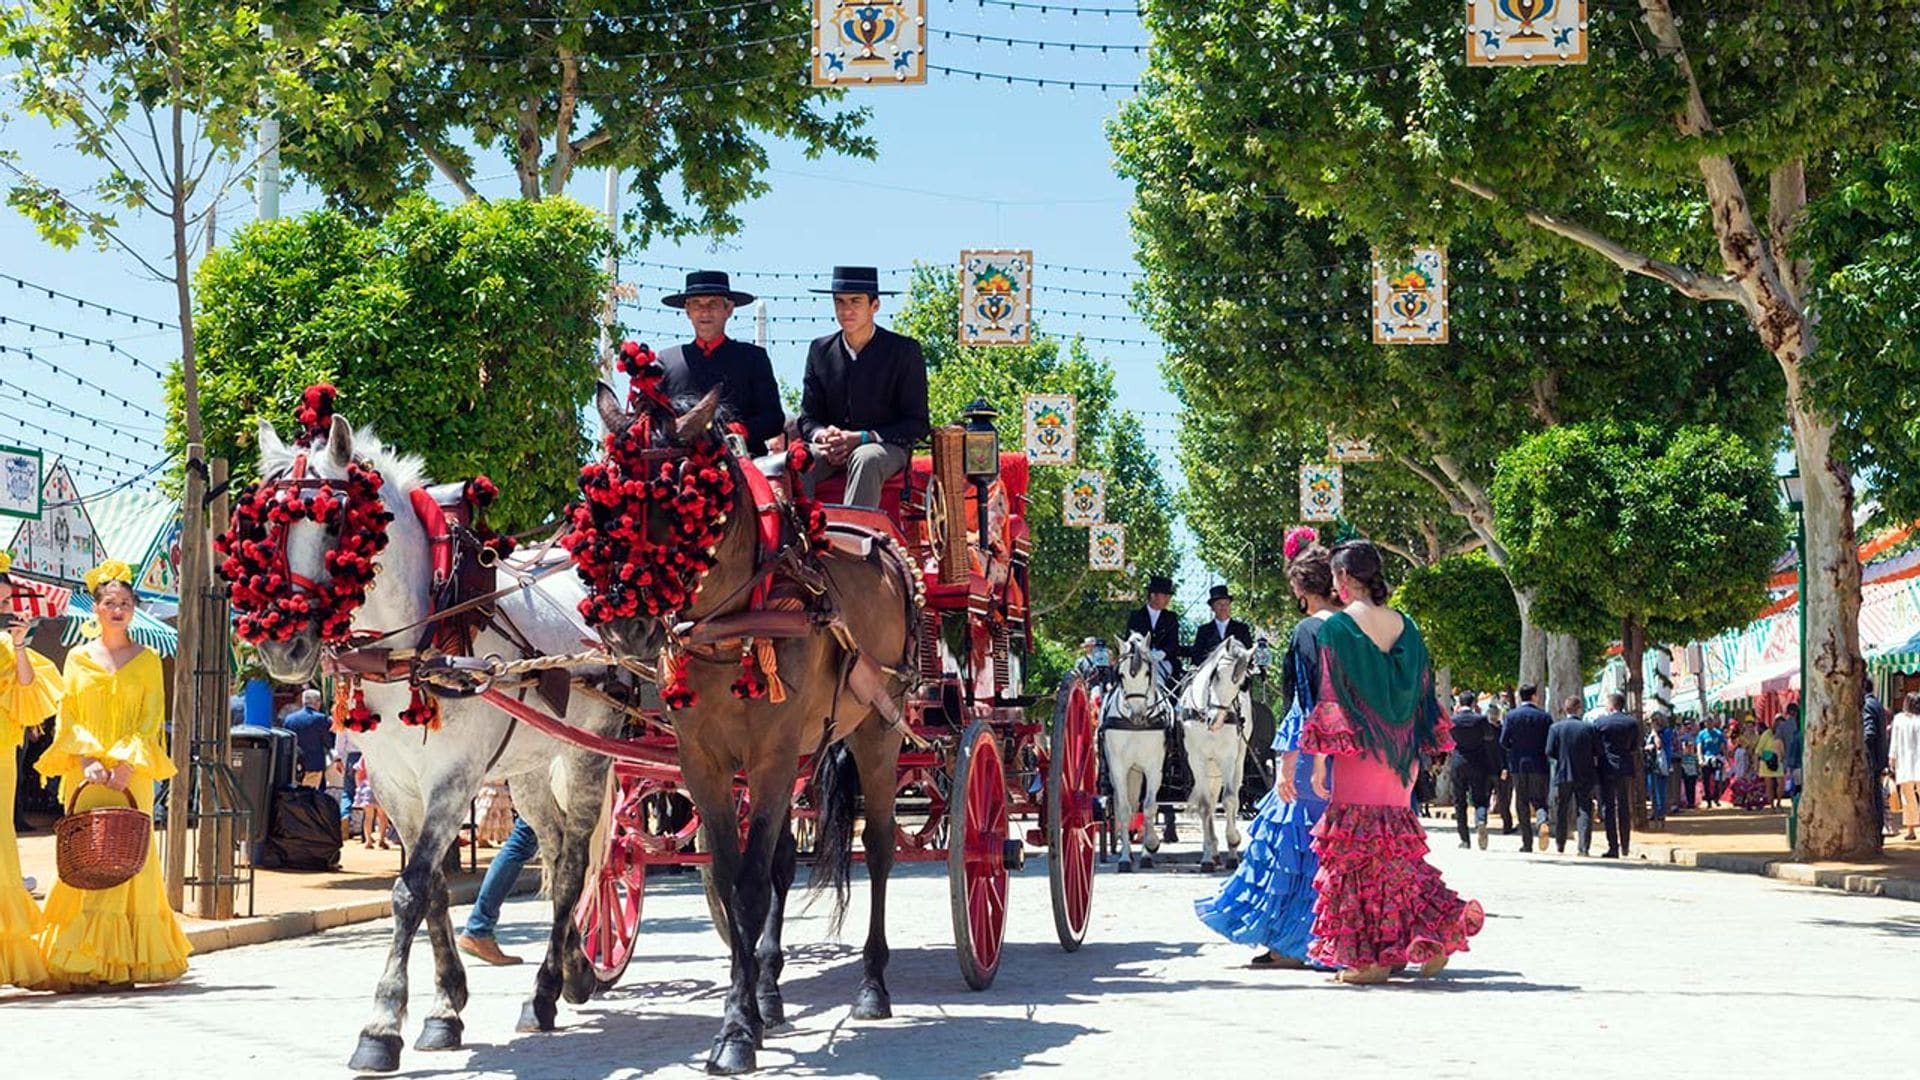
x,y
1564,677
1533,648
526,158
1633,649
1839,808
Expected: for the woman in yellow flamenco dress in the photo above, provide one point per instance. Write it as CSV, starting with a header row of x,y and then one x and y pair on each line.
x,y
29,693
112,738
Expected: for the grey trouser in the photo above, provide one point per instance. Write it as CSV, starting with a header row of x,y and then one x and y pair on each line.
x,y
867,469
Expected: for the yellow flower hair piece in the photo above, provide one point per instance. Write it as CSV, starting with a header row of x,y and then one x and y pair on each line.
x,y
6,562
111,570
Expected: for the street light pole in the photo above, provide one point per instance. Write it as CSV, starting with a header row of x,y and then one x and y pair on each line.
x,y
1793,489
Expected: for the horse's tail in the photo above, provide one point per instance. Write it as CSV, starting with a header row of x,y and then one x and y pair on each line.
x,y
597,843
836,793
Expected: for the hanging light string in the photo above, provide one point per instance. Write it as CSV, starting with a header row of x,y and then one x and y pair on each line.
x,y
58,370
596,21
85,304
138,466
117,487
68,335
28,397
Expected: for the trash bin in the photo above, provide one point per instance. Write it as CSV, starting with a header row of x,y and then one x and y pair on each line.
x,y
261,760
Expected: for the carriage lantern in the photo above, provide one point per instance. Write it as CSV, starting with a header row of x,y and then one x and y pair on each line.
x,y
982,456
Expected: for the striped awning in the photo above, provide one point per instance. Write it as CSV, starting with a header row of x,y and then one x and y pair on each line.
x,y
1903,658
1781,675
145,629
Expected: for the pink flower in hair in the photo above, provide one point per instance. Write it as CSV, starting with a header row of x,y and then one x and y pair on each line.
x,y
1298,539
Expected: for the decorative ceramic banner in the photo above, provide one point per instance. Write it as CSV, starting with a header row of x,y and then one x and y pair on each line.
x,y
1084,502
1526,32
1107,547
1410,299
20,482
1341,449
1321,491
996,294
869,42
61,545
1049,429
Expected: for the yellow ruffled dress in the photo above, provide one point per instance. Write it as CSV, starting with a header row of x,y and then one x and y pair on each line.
x,y
21,707
126,934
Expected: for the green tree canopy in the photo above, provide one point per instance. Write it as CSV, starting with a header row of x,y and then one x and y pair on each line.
x,y
1070,601
1686,151
678,97
463,334
1467,615
1675,531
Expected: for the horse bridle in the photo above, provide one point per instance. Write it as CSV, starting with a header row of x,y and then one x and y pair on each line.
x,y
296,481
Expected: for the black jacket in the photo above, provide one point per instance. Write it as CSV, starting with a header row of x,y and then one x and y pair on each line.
x,y
1574,749
1877,730
744,374
1165,636
882,390
1523,735
1473,737
1620,739
1206,639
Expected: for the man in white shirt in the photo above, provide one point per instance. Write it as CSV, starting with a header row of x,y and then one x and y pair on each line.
x,y
1218,629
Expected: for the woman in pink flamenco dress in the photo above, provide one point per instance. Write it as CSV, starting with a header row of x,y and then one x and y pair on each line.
x,y
1382,907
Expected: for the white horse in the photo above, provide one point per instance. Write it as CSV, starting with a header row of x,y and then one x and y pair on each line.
x,y
1134,719
1215,709
426,780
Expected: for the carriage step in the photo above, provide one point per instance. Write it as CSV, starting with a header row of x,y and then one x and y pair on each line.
x,y
1014,854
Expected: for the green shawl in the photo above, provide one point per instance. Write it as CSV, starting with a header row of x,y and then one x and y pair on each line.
x,y
1386,698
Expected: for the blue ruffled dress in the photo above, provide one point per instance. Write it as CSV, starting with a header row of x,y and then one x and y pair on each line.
x,y
1268,900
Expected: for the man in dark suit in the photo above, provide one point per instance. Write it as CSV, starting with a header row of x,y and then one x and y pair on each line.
x,y
1877,732
1523,735
863,402
1620,739
1573,751
1162,627
743,372
1470,767
1218,629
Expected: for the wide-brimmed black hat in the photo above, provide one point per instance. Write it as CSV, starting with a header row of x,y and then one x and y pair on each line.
x,y
707,283
1218,592
856,279
1160,583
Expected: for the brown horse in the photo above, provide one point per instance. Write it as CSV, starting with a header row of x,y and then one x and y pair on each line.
x,y
835,708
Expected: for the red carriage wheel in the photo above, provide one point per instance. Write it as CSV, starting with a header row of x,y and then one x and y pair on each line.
x,y
976,854
608,912
1072,776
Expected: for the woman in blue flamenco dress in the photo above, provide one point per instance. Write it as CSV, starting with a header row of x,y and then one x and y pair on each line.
x,y
1268,902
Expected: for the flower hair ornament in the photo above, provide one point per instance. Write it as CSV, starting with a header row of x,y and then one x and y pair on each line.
x,y
6,562
1299,538
113,570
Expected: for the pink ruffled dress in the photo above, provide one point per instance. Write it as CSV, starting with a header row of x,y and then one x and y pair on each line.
x,y
1380,902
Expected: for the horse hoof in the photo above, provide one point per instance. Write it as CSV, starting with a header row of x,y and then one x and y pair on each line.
x,y
1169,837
1232,862
578,985
1146,862
732,1055
376,1054
440,1033
537,1015
773,1010
1124,866
1207,866
874,1003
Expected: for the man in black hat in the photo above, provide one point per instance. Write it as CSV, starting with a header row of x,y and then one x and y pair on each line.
x,y
863,404
1162,627
743,372
1218,629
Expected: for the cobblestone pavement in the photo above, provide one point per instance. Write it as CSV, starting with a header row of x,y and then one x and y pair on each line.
x,y
1587,967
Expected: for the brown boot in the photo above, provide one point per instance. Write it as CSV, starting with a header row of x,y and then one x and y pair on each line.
x,y
485,948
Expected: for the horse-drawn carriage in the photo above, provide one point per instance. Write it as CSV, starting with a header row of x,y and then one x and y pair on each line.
x,y
879,655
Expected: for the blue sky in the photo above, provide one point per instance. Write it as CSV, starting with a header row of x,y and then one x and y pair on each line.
x,y
961,164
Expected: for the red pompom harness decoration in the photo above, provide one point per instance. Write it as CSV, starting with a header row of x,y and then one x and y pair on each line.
x,y
685,491
272,602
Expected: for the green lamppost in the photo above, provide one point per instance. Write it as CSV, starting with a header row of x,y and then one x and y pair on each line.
x,y
1794,490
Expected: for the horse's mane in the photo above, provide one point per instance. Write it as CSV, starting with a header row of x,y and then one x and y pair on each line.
x,y
1195,694
402,470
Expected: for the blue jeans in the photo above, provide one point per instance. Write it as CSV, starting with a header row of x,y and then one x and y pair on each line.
x,y
502,872
1657,791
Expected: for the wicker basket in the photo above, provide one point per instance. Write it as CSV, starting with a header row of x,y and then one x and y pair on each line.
x,y
98,849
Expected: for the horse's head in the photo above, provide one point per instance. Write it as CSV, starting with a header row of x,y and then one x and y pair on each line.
x,y
1232,666
306,542
661,525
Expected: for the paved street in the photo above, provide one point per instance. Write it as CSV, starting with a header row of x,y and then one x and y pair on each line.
x,y
1621,968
